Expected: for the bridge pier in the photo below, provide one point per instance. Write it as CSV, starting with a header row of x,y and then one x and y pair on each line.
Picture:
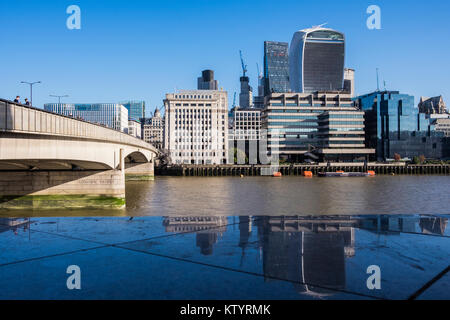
x,y
46,190
139,171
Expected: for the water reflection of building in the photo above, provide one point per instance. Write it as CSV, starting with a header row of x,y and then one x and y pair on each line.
x,y
390,224
395,225
433,225
208,229
14,224
307,250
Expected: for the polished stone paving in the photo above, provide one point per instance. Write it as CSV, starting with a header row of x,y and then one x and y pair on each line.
x,y
298,257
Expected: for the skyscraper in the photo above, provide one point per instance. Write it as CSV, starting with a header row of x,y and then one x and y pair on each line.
x,y
206,81
246,95
316,60
276,67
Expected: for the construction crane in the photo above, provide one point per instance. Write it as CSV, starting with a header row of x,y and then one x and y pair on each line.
x,y
244,66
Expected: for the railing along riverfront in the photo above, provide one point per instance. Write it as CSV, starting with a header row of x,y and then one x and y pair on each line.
x,y
19,118
300,169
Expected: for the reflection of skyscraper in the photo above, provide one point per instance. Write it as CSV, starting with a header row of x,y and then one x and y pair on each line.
x,y
433,225
316,60
276,67
307,250
208,229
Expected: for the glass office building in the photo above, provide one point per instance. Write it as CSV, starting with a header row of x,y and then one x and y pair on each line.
x,y
316,60
276,67
111,115
395,126
136,109
324,126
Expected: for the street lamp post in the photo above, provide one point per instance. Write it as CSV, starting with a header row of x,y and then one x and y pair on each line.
x,y
31,89
59,97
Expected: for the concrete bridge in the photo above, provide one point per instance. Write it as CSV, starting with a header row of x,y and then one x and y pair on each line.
x,y
52,161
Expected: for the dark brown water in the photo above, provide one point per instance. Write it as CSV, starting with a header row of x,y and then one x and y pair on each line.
x,y
267,196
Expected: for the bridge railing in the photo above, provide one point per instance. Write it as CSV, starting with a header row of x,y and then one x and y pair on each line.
x,y
24,119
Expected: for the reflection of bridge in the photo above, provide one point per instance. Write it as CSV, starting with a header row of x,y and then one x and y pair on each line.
x,y
48,160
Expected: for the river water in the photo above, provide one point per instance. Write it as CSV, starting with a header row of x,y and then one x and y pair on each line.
x,y
267,196
239,238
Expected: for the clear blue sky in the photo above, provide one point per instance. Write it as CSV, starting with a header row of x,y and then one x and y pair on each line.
x,y
144,49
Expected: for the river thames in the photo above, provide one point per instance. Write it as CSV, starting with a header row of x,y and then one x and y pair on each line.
x,y
239,238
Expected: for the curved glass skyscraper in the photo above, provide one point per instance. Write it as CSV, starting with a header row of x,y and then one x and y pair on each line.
x,y
316,60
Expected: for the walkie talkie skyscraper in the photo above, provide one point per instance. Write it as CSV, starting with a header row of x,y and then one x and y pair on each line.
x,y
316,60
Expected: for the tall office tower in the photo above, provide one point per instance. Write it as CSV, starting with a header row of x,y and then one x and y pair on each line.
x,y
316,60
246,95
196,126
349,81
136,109
111,115
206,81
434,105
276,67
395,126
324,126
153,130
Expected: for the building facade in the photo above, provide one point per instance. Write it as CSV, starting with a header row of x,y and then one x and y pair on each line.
x,y
134,128
349,81
316,60
322,126
153,130
196,126
111,115
276,67
136,109
247,124
246,94
434,105
207,82
395,126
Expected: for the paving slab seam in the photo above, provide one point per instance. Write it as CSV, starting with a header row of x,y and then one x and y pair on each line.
x,y
245,272
51,256
416,294
103,245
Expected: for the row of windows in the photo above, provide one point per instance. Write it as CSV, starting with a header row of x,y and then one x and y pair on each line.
x,y
299,117
298,123
192,96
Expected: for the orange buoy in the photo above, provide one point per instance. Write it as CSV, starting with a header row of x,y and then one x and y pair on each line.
x,y
308,174
277,174
371,173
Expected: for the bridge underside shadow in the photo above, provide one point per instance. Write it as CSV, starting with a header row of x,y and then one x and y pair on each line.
x,y
68,184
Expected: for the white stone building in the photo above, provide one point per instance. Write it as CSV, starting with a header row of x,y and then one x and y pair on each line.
x,y
153,130
196,126
134,128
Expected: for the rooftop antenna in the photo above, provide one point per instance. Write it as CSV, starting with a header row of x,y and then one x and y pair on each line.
x,y
244,66
378,82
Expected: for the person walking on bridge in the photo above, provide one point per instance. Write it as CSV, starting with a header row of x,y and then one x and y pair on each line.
x,y
27,103
17,99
